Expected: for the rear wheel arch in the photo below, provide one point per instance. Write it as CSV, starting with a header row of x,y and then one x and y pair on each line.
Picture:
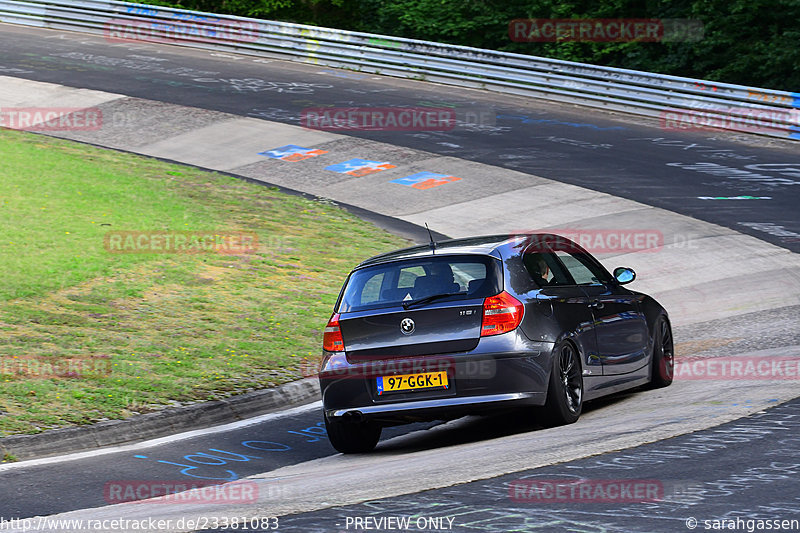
x,y
350,436
565,389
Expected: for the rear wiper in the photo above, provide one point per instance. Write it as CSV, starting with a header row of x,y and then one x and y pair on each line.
x,y
431,298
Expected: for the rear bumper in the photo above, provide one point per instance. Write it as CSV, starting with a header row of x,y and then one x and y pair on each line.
x,y
503,372
435,409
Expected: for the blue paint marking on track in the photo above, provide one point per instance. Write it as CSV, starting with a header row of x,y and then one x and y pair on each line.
x,y
418,178
292,152
344,75
796,102
425,180
214,463
313,433
283,151
528,120
352,164
232,476
221,458
359,167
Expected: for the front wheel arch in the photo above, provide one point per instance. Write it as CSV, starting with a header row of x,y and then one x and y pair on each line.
x,y
662,355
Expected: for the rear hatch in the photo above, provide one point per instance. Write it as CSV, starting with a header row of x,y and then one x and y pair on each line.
x,y
416,307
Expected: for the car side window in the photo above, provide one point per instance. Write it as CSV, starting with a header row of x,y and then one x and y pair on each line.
x,y
545,269
581,270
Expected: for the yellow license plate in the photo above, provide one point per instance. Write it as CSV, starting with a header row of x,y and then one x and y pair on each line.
x,y
426,380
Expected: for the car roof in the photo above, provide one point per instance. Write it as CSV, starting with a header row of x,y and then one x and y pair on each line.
x,y
481,245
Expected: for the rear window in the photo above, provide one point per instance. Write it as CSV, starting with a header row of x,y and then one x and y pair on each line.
x,y
391,284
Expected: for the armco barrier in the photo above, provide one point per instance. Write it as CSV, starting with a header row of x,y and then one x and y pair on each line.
x,y
678,102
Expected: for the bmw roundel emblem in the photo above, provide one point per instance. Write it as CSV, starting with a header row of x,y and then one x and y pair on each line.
x,y
407,326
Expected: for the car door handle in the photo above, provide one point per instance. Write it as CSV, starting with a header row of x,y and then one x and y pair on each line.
x,y
597,304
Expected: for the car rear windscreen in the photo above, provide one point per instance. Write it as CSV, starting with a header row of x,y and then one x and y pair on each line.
x,y
392,284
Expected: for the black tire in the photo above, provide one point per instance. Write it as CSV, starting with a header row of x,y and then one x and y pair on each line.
x,y
565,390
662,362
352,437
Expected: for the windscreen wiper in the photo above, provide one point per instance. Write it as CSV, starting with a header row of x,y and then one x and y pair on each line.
x,y
431,298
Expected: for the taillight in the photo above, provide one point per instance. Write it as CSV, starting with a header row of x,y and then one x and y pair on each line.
x,y
501,313
332,340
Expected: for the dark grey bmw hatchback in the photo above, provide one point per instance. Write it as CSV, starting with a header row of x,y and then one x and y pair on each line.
x,y
477,325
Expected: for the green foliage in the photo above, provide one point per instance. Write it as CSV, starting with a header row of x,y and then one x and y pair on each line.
x,y
750,42
146,330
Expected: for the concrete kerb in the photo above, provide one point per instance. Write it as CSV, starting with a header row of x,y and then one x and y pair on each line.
x,y
161,423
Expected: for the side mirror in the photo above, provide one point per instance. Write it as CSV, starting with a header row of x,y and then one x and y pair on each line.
x,y
624,275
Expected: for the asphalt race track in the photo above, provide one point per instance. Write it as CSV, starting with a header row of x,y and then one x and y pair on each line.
x,y
745,469
578,146
280,440
297,471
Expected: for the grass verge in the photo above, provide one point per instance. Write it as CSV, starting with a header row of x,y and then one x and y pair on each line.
x,y
89,335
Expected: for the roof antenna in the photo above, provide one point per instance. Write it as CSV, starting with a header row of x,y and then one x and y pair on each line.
x,y
433,243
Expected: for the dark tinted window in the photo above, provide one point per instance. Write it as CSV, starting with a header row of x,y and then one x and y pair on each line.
x,y
582,270
560,267
392,284
545,269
